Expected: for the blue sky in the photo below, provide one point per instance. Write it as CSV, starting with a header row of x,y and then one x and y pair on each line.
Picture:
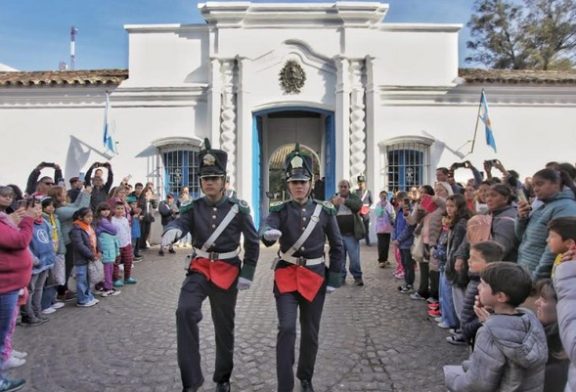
x,y
34,34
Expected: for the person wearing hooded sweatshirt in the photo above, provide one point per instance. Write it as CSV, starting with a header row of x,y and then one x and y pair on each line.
x,y
15,269
108,244
43,256
556,192
511,350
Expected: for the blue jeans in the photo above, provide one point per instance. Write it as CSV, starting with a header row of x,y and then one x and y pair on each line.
x,y
352,248
83,293
8,303
447,301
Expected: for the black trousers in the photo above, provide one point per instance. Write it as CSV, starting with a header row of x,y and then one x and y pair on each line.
x,y
424,277
287,306
194,291
144,233
383,246
366,220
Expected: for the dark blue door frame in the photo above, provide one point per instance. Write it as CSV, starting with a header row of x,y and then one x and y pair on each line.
x,y
257,159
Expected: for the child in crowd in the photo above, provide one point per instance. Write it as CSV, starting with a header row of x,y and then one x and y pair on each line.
x,y
123,230
108,245
136,213
481,254
384,226
561,239
43,256
84,248
557,365
403,237
49,304
511,349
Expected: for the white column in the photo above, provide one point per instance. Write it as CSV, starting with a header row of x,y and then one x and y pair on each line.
x,y
372,103
342,120
228,117
244,132
214,101
357,124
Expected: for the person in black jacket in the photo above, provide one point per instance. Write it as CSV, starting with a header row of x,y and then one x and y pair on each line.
x,y
100,189
41,186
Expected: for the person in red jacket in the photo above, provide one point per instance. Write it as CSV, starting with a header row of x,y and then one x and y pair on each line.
x,y
15,267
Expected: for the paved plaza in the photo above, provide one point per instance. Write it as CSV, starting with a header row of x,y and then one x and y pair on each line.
x,y
372,338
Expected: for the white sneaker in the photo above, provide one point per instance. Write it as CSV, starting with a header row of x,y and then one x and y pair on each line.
x,y
19,354
13,362
49,310
58,305
443,325
115,292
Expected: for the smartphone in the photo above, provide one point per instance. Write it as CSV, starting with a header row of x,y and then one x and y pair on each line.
x,y
521,196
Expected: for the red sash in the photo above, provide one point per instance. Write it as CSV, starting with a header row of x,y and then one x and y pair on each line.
x,y
300,279
219,272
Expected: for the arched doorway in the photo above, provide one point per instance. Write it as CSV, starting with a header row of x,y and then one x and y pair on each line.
x,y
276,131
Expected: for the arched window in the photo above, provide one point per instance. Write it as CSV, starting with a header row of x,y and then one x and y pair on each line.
x,y
406,162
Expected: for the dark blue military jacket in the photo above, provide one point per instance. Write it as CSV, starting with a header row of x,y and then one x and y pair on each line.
x,y
292,218
201,218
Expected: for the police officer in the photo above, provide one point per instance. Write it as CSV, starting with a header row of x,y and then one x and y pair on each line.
x,y
216,271
301,277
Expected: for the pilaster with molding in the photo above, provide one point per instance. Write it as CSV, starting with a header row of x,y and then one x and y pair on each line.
x,y
357,117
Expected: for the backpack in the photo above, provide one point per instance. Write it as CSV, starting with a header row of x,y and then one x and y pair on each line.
x,y
479,228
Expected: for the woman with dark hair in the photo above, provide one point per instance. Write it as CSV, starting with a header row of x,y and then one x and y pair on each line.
x,y
499,201
18,195
555,190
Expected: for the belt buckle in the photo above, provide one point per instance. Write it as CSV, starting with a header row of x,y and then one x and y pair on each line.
x,y
301,261
213,256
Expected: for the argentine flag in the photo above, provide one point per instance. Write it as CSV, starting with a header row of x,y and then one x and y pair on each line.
x,y
107,139
486,120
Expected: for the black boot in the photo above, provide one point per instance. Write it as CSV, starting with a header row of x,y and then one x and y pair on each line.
x,y
223,387
306,386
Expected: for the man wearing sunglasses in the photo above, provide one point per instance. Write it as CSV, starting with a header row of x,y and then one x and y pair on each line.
x,y
216,271
301,277
41,186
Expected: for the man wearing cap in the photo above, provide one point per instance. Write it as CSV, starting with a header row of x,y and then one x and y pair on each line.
x,y
216,223
75,188
301,278
366,197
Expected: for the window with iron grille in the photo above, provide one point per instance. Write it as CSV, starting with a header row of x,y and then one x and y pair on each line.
x,y
181,170
407,165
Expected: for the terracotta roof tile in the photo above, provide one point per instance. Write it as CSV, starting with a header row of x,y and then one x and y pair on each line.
x,y
66,78
506,76
116,76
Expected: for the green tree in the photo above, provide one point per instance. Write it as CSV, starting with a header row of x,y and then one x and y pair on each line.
x,y
523,34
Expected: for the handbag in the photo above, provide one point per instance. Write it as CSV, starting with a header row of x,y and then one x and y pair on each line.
x,y
417,249
95,271
59,270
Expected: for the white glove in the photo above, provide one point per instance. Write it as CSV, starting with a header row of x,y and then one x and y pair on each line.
x,y
330,289
272,234
170,236
243,283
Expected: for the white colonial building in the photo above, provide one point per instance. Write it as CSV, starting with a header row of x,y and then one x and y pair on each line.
x,y
361,95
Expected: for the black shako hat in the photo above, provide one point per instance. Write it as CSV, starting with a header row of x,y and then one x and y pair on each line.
x,y
212,162
298,167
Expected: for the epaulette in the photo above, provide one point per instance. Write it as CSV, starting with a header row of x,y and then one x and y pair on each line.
x,y
186,207
327,206
277,206
242,205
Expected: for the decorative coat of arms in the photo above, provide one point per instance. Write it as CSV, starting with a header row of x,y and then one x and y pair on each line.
x,y
292,77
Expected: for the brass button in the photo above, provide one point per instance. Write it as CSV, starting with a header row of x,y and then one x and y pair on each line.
x,y
303,218
213,226
302,248
214,209
213,216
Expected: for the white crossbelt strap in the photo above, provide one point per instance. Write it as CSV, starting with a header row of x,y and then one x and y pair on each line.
x,y
225,222
314,219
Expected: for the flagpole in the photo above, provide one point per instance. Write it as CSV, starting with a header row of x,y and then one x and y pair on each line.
x,y
476,127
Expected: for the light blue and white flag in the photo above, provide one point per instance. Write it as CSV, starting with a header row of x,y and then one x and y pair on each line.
x,y
486,120
109,143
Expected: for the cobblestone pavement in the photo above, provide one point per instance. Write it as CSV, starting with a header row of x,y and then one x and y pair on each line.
x,y
372,338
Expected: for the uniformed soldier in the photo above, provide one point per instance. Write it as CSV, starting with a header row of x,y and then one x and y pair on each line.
x,y
215,271
366,197
301,277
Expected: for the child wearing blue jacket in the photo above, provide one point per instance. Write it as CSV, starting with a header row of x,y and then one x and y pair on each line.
x,y
108,245
44,256
403,237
